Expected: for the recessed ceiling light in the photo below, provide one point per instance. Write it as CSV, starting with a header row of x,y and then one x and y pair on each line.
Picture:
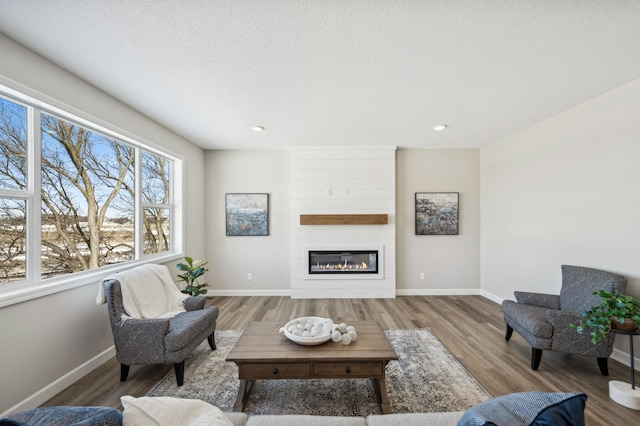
x,y
257,128
440,127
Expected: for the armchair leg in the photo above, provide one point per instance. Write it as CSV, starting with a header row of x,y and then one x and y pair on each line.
x,y
507,336
179,367
536,356
124,372
212,341
603,366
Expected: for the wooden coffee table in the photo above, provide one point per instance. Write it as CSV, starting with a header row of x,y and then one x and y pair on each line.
x,y
262,353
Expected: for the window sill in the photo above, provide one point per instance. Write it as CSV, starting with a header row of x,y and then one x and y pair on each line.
x,y
19,294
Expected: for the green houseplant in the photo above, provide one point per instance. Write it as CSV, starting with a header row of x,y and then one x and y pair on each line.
x,y
191,271
611,312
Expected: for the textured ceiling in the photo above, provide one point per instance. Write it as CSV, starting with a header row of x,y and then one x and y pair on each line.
x,y
338,72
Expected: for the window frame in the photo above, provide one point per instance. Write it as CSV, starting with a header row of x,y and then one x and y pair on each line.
x,y
33,286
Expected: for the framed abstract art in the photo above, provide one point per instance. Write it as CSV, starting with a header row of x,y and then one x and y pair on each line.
x,y
247,214
437,213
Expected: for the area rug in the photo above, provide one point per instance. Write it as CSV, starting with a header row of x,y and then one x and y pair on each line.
x,y
425,378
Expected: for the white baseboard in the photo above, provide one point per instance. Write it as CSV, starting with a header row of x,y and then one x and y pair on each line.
x,y
61,383
399,292
625,359
249,292
491,297
437,292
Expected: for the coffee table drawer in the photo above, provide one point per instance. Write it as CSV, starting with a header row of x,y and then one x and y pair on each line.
x,y
346,369
275,371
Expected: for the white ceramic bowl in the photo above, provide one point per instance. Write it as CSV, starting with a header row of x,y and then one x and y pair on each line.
x,y
306,341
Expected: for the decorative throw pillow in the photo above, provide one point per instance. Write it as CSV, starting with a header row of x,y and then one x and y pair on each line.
x,y
528,409
164,410
65,416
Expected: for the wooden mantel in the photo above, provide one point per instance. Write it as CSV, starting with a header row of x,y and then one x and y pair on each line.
x,y
344,219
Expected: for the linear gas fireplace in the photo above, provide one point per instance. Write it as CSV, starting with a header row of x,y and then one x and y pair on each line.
x,y
343,262
348,263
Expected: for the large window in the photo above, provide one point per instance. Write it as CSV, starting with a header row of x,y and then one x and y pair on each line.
x,y
75,197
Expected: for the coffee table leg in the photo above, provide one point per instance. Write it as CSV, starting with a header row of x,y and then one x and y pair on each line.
x,y
381,391
243,394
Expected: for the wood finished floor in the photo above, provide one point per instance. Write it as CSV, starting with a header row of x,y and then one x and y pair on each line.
x,y
471,327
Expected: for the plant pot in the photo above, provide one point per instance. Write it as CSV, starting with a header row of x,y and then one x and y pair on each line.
x,y
628,325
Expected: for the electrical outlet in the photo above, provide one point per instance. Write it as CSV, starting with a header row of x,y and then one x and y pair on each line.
x,y
422,275
249,276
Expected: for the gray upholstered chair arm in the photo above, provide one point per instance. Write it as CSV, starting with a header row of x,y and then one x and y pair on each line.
x,y
566,339
551,301
561,319
127,336
194,303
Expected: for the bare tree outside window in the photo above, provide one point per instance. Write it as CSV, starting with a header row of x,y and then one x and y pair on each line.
x,y
87,202
155,196
13,240
13,146
13,177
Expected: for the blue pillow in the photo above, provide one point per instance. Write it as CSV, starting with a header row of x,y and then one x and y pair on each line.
x,y
65,416
528,409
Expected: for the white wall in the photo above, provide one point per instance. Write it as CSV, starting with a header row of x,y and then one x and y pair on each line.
x,y
451,263
232,258
49,342
565,191
341,180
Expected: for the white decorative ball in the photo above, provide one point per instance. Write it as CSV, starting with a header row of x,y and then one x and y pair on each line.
x,y
343,327
346,339
350,327
353,334
336,336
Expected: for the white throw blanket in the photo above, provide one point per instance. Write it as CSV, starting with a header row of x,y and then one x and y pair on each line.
x,y
147,292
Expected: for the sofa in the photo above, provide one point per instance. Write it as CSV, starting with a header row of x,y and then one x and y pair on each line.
x,y
104,416
406,419
522,408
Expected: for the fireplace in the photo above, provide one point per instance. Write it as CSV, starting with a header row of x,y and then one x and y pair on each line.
x,y
343,262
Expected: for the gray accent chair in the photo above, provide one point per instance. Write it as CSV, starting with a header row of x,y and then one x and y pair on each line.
x,y
159,340
543,319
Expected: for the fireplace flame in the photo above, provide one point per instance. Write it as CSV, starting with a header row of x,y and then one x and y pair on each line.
x,y
346,264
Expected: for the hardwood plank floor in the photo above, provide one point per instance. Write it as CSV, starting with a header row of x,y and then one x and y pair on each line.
x,y
471,327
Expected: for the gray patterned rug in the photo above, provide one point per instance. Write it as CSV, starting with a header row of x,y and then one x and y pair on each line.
x,y
425,378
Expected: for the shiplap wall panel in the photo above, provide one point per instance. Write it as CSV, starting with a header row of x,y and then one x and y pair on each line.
x,y
369,184
340,175
342,181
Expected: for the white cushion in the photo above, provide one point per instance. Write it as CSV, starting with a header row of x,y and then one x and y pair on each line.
x,y
304,420
168,411
415,419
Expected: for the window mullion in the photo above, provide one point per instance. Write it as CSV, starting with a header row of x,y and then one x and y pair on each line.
x,y
34,216
138,225
176,200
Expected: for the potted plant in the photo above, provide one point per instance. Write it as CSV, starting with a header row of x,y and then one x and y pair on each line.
x,y
192,270
614,311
